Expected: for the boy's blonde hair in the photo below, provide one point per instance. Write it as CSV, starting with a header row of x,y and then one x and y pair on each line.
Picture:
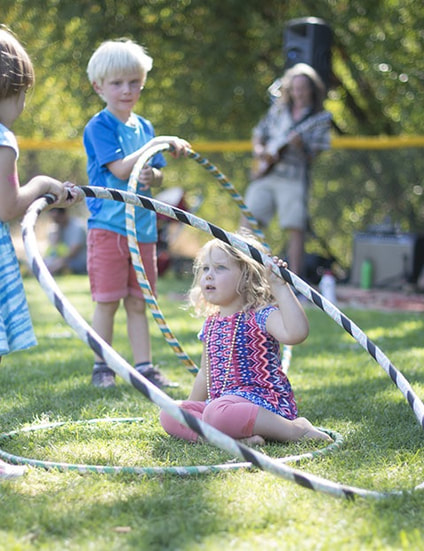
x,y
16,69
115,57
253,285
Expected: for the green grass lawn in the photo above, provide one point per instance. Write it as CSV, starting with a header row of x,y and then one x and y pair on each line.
x,y
337,385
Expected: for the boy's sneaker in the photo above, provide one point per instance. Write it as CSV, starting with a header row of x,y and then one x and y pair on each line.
x,y
103,376
156,377
8,471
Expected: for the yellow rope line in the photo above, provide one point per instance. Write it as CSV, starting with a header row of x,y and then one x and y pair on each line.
x,y
241,146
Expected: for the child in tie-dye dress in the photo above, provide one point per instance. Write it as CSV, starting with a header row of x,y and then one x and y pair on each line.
x,y
16,331
240,388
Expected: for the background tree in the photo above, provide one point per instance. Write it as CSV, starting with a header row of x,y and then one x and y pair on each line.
x,y
213,63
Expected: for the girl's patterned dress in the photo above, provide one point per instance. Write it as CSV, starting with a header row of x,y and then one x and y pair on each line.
x,y
255,373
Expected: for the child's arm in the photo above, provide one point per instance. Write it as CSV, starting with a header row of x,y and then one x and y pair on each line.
x,y
15,199
288,324
122,168
199,392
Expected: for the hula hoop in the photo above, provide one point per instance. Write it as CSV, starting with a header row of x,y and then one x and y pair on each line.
x,y
300,285
146,153
129,374
235,195
137,262
147,471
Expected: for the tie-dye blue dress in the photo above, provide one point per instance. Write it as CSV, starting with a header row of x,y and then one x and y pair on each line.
x,y
16,331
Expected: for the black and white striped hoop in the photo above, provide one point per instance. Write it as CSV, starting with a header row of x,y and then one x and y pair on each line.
x,y
129,374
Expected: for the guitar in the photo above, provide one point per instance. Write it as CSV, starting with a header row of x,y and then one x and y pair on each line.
x,y
275,148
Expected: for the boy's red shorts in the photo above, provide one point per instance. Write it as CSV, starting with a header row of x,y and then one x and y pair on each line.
x,y
110,270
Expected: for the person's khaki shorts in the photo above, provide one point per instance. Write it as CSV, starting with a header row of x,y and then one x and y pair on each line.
x,y
277,194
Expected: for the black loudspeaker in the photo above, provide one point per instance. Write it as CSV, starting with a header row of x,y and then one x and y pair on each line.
x,y
391,257
308,40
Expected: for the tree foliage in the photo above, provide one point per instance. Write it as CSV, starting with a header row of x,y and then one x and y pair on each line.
x,y
213,62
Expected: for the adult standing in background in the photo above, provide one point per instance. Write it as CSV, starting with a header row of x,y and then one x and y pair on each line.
x,y
287,139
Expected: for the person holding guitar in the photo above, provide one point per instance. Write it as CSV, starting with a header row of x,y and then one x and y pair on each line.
x,y
293,132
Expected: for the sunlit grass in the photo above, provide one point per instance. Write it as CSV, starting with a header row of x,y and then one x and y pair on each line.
x,y
337,385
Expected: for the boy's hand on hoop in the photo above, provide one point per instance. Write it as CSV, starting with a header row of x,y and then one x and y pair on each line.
x,y
179,147
148,177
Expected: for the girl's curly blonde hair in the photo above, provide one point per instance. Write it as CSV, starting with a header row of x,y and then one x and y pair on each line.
x,y
253,285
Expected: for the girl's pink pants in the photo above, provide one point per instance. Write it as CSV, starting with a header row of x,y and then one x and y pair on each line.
x,y
232,415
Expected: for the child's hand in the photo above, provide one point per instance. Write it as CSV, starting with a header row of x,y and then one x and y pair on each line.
x,y
273,279
66,194
54,187
179,147
148,177
74,194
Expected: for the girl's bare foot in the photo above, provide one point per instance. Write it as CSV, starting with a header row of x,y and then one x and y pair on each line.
x,y
315,434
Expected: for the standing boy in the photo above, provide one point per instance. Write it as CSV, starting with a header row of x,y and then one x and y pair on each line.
x,y
113,139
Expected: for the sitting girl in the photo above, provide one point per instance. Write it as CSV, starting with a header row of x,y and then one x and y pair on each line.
x,y
240,388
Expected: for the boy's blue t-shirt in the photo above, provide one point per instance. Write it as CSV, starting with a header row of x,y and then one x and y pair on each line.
x,y
107,139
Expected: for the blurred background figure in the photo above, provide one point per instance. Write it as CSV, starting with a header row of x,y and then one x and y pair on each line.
x,y
285,142
67,248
